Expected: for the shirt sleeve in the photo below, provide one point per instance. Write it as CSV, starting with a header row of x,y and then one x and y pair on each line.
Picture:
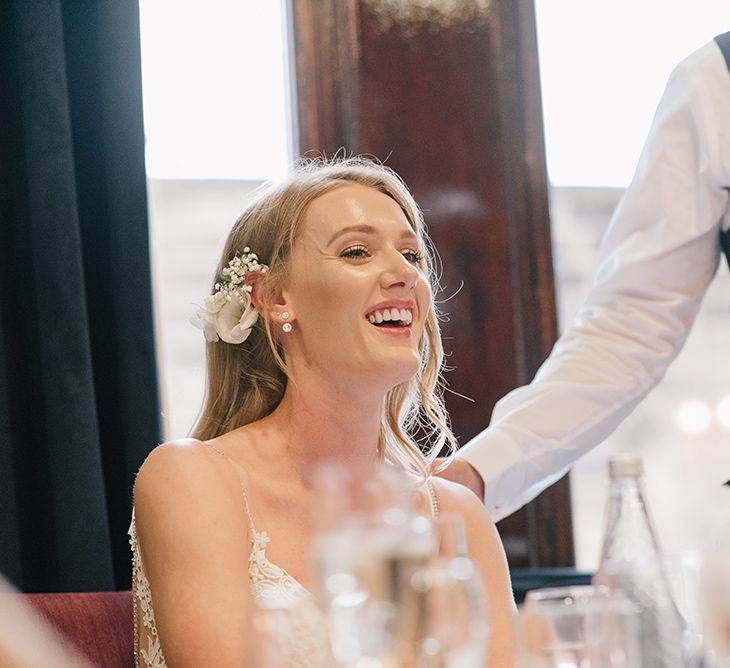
x,y
657,258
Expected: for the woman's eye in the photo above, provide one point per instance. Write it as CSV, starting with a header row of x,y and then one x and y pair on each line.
x,y
412,256
355,251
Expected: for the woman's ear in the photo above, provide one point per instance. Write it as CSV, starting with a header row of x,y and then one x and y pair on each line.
x,y
281,313
273,306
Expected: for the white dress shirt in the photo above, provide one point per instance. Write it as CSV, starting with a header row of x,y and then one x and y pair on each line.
x,y
657,258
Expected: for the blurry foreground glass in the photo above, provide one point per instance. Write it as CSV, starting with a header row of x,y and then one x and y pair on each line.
x,y
450,603
368,545
577,627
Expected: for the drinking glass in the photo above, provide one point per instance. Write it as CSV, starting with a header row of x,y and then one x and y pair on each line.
x,y
451,605
364,553
578,627
452,628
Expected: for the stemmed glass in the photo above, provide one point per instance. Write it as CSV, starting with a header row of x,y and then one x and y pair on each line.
x,y
578,627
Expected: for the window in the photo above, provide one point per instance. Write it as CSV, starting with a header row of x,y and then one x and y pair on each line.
x,y
216,126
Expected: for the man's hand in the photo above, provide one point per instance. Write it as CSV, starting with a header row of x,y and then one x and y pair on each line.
x,y
462,472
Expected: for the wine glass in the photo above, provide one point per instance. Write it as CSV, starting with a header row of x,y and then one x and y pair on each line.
x,y
365,550
578,627
452,628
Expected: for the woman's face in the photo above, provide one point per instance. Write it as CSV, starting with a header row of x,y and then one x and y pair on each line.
x,y
357,288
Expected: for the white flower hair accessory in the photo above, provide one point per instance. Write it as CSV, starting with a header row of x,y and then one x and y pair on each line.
x,y
229,313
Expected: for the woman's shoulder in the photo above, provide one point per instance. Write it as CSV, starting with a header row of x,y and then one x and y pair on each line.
x,y
172,458
180,469
179,446
459,499
185,487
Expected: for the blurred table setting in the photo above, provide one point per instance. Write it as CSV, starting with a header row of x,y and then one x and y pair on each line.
x,y
394,587
645,608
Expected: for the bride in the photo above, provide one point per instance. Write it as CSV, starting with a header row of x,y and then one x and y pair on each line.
x,y
323,345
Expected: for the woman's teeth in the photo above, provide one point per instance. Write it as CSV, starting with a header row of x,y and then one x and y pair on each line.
x,y
403,316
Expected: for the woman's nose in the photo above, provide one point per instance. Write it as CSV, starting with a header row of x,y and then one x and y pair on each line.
x,y
399,272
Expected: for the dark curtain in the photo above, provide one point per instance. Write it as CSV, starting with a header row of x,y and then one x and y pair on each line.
x,y
79,403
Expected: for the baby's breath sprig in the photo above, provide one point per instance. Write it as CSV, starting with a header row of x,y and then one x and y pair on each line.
x,y
229,313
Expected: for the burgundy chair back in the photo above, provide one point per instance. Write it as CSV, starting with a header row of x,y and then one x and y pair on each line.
x,y
99,624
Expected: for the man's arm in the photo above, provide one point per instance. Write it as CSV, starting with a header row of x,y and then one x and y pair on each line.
x,y
658,256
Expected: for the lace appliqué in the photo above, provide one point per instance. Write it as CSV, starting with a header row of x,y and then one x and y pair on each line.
x,y
270,584
142,596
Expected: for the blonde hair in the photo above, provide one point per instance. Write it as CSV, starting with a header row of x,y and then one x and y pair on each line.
x,y
246,382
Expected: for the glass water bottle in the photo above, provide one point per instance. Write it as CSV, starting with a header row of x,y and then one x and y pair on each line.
x,y
631,561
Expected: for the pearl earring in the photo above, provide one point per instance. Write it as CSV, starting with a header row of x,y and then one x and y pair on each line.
x,y
286,327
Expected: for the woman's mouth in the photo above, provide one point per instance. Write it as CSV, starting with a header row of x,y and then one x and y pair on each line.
x,y
392,317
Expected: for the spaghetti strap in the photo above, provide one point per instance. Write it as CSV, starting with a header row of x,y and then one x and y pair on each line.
x,y
432,498
234,467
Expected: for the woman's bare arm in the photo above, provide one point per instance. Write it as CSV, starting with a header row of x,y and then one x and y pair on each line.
x,y
193,534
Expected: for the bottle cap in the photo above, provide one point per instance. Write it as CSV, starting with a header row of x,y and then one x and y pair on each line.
x,y
623,466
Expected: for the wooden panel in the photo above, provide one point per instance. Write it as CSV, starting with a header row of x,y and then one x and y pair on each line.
x,y
448,95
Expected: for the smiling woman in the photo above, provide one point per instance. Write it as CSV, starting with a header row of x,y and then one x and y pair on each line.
x,y
327,275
